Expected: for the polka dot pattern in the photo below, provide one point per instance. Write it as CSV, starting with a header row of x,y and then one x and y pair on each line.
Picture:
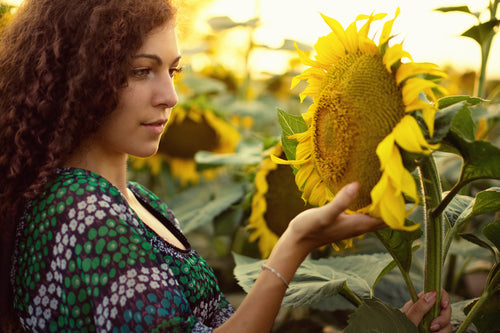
x,y
84,262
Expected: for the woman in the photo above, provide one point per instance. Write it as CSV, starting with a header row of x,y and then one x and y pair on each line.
x,y
85,83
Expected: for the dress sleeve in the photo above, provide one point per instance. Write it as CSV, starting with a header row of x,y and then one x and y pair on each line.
x,y
84,264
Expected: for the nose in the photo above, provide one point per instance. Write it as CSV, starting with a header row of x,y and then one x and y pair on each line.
x,y
165,95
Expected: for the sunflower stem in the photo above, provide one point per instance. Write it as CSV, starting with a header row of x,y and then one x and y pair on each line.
x,y
472,313
406,275
351,297
431,188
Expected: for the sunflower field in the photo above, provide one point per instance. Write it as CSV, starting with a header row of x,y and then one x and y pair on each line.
x,y
245,151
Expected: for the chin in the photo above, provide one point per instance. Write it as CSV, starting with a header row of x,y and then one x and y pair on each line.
x,y
146,152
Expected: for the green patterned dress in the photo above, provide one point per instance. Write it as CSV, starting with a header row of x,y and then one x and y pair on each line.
x,y
84,262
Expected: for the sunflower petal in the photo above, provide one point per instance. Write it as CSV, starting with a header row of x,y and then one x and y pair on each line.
x,y
337,29
394,54
411,69
387,29
408,135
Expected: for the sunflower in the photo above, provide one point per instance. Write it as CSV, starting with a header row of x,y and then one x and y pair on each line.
x,y
364,102
275,203
191,128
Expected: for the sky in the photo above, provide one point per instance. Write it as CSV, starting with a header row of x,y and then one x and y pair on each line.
x,y
428,35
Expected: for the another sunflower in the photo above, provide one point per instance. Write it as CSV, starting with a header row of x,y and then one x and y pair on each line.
x,y
364,102
191,128
275,203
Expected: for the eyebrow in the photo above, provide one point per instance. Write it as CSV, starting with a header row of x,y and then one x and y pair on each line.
x,y
155,58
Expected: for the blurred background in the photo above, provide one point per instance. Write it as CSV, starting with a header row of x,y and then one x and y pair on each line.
x,y
213,166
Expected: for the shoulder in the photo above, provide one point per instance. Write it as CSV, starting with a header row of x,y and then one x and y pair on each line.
x,y
147,195
75,195
153,200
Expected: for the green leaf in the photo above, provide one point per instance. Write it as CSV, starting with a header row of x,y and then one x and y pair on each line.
x,y
247,153
290,125
492,232
487,319
198,206
478,241
482,32
481,158
450,100
454,115
463,8
199,85
220,23
485,202
318,280
376,316
399,244
456,207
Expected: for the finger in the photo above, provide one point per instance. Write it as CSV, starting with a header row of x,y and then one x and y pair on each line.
x,y
343,199
407,306
445,299
447,329
421,307
440,323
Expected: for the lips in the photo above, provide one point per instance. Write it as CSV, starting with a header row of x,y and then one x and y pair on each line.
x,y
156,126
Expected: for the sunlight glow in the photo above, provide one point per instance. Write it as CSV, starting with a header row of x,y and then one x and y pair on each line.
x,y
428,35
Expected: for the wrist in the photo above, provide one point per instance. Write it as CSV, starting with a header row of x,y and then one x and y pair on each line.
x,y
287,255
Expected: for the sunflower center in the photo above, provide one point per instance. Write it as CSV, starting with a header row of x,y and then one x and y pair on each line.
x,y
283,199
358,106
185,139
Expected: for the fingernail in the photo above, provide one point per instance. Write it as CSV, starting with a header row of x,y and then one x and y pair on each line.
x,y
430,296
435,327
446,303
352,188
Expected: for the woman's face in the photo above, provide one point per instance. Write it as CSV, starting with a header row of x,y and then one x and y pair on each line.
x,y
137,123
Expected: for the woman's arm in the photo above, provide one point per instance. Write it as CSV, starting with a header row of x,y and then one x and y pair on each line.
x,y
309,230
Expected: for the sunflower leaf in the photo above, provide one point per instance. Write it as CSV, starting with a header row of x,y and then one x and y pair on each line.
x,y
478,241
248,152
487,319
481,158
482,32
399,244
450,100
290,125
454,115
456,207
317,281
486,201
379,317
492,232
198,206
462,8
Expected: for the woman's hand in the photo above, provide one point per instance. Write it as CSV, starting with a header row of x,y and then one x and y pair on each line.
x,y
416,311
324,225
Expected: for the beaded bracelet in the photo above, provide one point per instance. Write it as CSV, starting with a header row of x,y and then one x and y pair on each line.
x,y
275,272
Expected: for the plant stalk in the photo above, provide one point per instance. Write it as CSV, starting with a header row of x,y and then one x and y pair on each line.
x,y
472,313
431,193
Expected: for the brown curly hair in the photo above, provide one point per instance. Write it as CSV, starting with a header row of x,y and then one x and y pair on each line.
x,y
62,64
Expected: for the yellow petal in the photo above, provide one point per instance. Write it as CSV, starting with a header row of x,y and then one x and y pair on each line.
x,y
409,136
337,29
329,50
410,69
386,31
413,87
393,54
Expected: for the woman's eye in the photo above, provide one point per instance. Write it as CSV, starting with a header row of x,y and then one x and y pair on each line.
x,y
175,70
140,72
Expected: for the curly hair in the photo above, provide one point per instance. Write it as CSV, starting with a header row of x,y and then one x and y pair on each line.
x,y
62,65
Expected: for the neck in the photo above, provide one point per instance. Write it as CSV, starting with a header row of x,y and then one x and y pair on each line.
x,y
112,167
